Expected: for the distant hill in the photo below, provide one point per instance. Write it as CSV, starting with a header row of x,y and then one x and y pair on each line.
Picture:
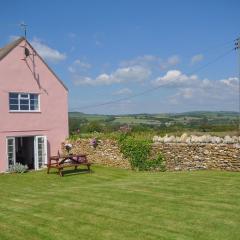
x,y
212,117
193,113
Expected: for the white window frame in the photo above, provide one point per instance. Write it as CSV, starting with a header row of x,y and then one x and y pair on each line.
x,y
21,97
36,152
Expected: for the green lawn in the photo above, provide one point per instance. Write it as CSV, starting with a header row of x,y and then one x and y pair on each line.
x,y
120,204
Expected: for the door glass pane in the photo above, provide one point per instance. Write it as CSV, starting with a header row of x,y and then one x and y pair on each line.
x,y
11,153
41,151
10,148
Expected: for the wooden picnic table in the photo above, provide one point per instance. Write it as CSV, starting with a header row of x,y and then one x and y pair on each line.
x,y
69,160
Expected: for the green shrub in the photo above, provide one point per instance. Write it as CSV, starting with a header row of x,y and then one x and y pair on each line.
x,y
138,153
122,137
17,168
74,137
157,164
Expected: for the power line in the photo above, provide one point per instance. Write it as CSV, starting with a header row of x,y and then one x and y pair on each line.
x,y
216,46
156,88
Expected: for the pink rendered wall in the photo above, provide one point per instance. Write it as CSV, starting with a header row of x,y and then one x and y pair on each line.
x,y
17,75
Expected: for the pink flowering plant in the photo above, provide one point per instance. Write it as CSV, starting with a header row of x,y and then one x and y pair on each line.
x,y
94,143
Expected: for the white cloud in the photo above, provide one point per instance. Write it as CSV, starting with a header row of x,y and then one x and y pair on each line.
x,y
231,82
46,52
174,78
170,62
190,92
208,94
197,58
82,64
187,93
145,60
152,61
82,81
173,60
13,38
79,65
71,69
128,74
123,91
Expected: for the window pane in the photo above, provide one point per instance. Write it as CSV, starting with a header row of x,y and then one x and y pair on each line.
x,y
24,102
13,95
13,101
34,107
24,107
13,107
33,101
24,96
34,97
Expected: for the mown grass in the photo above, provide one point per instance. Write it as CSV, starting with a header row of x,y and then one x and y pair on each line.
x,y
120,204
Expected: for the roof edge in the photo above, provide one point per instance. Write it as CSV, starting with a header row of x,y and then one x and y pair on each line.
x,y
49,68
9,47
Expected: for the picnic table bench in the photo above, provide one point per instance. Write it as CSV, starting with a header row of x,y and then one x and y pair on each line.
x,y
65,161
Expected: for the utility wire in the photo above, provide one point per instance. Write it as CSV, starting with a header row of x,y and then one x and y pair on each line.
x,y
215,47
206,50
156,88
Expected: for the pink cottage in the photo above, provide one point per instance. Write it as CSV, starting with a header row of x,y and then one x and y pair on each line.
x,y
33,107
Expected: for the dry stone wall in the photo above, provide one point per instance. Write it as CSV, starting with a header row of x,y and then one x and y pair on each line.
x,y
183,156
106,153
178,156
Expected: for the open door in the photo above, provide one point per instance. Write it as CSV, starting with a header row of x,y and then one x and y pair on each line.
x,y
11,151
40,151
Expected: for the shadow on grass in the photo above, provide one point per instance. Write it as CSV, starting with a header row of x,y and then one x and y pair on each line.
x,y
72,172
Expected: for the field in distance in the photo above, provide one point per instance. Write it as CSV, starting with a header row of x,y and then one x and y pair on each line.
x,y
187,118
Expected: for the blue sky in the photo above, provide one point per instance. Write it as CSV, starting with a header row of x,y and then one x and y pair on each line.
x,y
107,50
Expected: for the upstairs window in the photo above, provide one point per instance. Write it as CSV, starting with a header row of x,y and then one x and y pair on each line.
x,y
25,102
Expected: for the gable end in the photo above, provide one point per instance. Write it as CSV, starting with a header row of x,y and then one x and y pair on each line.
x,y
8,48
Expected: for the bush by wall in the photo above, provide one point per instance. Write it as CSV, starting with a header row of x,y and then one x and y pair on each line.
x,y
138,152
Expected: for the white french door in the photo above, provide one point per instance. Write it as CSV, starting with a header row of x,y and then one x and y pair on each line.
x,y
11,151
40,150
